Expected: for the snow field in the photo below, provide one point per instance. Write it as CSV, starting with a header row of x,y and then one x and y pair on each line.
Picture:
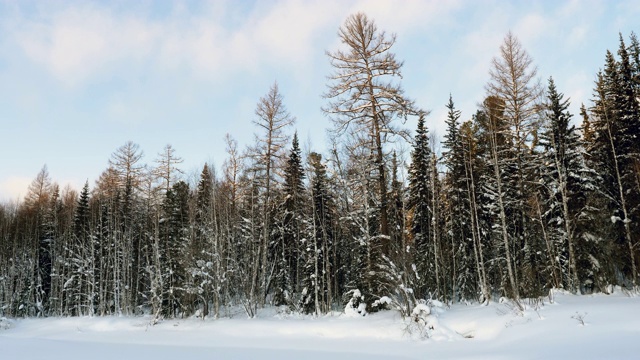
x,y
611,330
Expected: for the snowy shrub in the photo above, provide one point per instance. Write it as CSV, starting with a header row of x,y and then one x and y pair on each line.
x,y
5,324
384,303
421,311
400,280
423,321
285,311
356,305
509,306
609,289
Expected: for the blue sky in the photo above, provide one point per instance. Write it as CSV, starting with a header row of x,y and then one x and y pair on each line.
x,y
80,78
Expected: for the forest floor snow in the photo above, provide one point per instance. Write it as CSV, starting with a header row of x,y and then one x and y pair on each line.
x,y
572,327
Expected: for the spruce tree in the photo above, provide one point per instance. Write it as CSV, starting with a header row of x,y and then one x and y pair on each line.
x,y
474,169
566,183
174,246
292,234
204,255
320,254
457,217
614,155
82,256
419,204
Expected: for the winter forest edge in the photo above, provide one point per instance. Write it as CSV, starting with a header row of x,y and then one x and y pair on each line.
x,y
521,201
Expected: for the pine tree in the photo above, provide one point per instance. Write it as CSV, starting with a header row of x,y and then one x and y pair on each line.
x,y
497,202
81,219
46,256
361,219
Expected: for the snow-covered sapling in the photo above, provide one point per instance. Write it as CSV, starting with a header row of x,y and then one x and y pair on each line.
x,y
580,318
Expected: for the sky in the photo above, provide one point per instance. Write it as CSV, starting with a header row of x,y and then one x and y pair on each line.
x,y
78,79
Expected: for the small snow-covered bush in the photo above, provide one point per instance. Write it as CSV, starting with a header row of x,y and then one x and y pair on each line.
x,y
421,311
509,306
384,303
423,320
356,305
5,324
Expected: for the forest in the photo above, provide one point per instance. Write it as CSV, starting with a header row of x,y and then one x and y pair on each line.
x,y
524,198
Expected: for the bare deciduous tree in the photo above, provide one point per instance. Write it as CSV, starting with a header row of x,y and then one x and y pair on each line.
x,y
166,169
272,120
364,96
513,106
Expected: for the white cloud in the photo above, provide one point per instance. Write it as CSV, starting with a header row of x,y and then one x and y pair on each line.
x,y
289,29
533,27
75,43
14,188
408,15
185,49
80,42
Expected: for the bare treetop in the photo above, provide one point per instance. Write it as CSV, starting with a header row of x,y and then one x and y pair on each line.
x,y
167,169
362,87
126,161
513,79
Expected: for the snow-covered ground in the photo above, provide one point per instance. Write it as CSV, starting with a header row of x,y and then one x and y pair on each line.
x,y
611,330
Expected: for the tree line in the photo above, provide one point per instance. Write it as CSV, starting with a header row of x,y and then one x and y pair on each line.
x,y
520,201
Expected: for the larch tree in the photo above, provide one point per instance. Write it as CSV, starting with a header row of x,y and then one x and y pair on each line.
x,y
365,96
37,202
516,92
126,161
365,102
229,197
166,169
272,120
